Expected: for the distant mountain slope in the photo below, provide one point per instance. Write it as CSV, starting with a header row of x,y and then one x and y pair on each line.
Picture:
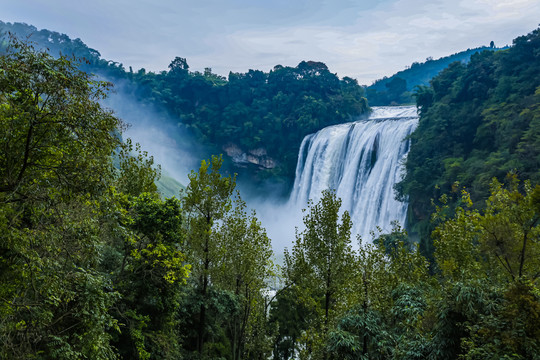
x,y
58,43
398,88
169,187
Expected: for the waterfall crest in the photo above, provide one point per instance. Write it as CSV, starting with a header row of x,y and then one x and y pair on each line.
x,y
361,161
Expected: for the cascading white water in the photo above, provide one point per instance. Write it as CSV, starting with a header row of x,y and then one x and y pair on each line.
x,y
361,161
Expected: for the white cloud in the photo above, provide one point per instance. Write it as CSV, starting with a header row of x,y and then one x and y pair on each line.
x,y
362,39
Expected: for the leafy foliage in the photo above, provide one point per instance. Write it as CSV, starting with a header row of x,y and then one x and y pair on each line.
x,y
56,168
95,265
230,254
489,265
477,121
72,247
320,266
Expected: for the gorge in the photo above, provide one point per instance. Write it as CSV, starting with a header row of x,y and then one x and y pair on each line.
x,y
97,261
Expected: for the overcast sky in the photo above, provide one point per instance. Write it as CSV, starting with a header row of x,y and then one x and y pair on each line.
x,y
364,39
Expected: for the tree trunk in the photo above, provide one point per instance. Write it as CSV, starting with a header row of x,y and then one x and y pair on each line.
x,y
204,290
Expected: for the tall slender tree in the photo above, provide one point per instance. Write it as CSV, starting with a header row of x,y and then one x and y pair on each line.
x,y
207,200
244,267
322,266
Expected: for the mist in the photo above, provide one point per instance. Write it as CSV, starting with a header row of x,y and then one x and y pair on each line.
x,y
161,136
280,219
178,153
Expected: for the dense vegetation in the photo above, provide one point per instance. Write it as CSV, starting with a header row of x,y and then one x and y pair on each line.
x,y
256,110
95,265
477,121
273,111
381,302
399,88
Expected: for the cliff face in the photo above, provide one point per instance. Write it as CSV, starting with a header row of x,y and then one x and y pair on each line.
x,y
257,157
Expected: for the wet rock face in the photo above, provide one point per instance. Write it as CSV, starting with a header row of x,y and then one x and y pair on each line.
x,y
256,157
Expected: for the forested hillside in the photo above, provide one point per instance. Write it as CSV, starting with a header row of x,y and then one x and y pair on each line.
x,y
399,88
264,115
477,121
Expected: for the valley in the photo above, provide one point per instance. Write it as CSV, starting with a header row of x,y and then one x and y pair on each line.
x,y
182,214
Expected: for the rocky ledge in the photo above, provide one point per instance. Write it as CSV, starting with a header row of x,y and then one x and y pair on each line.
x,y
257,157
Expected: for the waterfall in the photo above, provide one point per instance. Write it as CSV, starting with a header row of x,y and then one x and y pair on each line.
x,y
361,161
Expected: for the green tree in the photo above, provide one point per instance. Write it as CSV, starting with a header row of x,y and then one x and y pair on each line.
x,y
207,200
500,241
478,120
56,143
90,264
290,317
149,271
489,266
322,266
136,173
388,297
57,134
243,269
